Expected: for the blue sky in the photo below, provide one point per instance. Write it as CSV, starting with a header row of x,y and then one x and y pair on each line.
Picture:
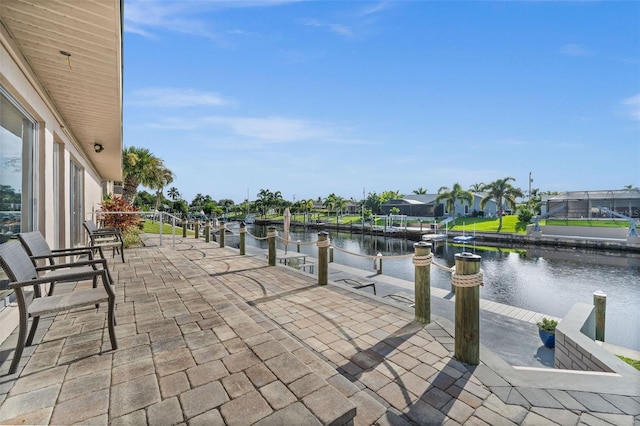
x,y
313,98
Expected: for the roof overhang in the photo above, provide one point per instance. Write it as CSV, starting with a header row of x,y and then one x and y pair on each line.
x,y
74,52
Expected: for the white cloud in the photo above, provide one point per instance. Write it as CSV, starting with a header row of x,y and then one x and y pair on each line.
x,y
633,106
273,129
334,28
173,123
575,50
375,8
143,16
238,131
176,98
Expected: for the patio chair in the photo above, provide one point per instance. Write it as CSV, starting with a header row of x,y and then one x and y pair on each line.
x,y
38,249
22,273
105,237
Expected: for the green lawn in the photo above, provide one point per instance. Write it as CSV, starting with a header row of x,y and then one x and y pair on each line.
x,y
150,227
608,223
632,362
510,225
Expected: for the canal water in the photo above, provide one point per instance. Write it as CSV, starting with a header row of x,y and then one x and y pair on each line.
x,y
545,280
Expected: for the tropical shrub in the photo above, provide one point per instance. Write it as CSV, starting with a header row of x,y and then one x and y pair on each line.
x,y
525,214
122,221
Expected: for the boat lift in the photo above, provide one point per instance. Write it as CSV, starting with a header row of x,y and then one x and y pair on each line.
x,y
538,218
633,231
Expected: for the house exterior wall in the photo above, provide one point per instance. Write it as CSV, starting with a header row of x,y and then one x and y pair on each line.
x,y
16,80
417,208
407,208
463,209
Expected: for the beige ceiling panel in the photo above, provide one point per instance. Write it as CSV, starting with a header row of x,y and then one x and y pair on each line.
x,y
87,89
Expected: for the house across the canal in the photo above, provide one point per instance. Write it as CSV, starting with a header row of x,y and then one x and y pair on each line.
x,y
587,204
425,205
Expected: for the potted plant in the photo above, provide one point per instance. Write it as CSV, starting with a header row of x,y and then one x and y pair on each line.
x,y
547,331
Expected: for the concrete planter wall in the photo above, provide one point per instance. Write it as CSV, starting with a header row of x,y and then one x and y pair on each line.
x,y
576,348
584,231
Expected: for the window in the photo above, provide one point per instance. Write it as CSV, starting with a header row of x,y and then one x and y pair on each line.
x,y
17,168
17,176
77,202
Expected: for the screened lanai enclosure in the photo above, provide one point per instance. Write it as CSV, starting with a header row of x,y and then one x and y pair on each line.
x,y
594,204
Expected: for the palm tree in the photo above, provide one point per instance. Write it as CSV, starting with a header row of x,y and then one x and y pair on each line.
x,y
373,202
198,201
330,201
264,198
420,191
339,204
502,192
139,167
163,177
277,200
451,196
477,187
173,193
308,204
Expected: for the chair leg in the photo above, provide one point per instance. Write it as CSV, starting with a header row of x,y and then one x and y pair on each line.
x,y
122,252
112,321
22,334
95,285
32,332
52,286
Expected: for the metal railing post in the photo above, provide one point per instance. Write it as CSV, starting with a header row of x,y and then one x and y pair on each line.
x,y
161,228
173,231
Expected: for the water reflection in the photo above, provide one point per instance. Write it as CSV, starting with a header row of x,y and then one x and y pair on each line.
x,y
544,280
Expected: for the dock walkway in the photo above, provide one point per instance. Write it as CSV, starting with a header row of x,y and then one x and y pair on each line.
x,y
210,337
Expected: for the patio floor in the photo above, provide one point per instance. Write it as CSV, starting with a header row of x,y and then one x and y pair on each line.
x,y
210,337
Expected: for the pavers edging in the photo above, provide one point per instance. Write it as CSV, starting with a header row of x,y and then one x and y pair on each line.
x,y
496,372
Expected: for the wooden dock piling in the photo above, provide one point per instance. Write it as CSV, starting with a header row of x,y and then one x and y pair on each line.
x,y
467,308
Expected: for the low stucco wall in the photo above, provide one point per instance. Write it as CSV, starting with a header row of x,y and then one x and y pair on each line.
x,y
576,348
584,231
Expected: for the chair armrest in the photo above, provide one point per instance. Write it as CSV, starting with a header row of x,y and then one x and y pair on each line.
x,y
66,277
64,253
91,262
71,249
96,237
110,231
109,228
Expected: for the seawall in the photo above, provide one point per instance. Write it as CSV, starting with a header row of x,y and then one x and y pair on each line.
x,y
580,238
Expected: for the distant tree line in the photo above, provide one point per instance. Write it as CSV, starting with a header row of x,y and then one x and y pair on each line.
x,y
141,167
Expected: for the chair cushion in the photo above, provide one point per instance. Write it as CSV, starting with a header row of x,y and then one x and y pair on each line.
x,y
64,271
63,302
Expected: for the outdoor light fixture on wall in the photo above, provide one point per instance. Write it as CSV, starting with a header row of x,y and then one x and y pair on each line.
x,y
98,147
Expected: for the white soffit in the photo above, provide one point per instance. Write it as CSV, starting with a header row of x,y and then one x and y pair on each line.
x,y
85,87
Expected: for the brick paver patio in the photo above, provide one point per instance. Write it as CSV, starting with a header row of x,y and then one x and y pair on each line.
x,y
210,337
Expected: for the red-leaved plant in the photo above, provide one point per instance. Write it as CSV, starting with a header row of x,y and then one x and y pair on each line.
x,y
122,221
